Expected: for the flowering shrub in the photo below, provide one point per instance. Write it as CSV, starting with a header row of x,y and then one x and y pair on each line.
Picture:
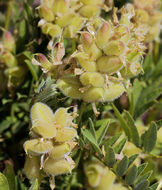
x,y
80,95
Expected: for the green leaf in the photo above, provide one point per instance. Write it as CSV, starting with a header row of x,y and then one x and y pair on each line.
x,y
86,133
119,147
154,186
122,166
110,157
150,137
131,175
144,177
122,121
111,141
3,182
10,175
92,129
35,185
102,131
142,186
141,168
32,68
132,159
133,129
159,124
5,124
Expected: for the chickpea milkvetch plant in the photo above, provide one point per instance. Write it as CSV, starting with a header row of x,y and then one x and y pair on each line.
x,y
80,95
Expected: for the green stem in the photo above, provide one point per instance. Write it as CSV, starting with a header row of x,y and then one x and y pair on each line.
x,y
81,112
8,14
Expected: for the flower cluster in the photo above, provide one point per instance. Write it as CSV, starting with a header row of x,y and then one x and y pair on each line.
x,y
67,16
12,70
109,53
48,151
148,18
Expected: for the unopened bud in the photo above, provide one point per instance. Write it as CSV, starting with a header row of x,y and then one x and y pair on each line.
x,y
8,59
92,2
131,70
109,64
92,78
114,48
59,151
83,59
51,29
60,7
56,167
44,62
46,13
42,120
65,134
32,167
38,146
113,91
90,47
8,41
90,11
61,117
103,35
64,20
70,87
93,94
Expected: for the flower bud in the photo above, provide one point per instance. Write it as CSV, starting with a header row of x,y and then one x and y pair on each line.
x,y
8,59
46,13
42,120
65,134
47,3
89,11
61,117
59,151
8,41
56,167
113,91
70,87
43,62
92,78
32,167
92,2
142,16
103,35
93,94
109,64
64,20
114,48
90,47
38,146
85,63
131,70
52,29
60,7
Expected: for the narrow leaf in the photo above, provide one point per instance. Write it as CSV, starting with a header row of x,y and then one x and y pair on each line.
x,y
110,157
144,177
3,182
131,175
122,121
101,132
132,159
122,166
150,138
154,186
141,168
35,185
119,147
92,129
134,132
112,141
142,186
92,140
